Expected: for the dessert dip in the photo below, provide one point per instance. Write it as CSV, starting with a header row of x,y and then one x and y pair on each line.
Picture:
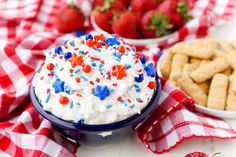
x,y
95,79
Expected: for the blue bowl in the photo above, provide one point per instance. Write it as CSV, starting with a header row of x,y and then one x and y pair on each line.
x,y
94,135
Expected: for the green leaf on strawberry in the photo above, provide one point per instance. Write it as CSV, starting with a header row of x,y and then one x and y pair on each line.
x,y
182,9
160,23
106,5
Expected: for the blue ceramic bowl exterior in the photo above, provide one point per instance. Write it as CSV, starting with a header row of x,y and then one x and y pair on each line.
x,y
94,135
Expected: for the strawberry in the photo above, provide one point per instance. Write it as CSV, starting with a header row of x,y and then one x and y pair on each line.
x,y
143,5
196,154
155,24
127,25
103,20
176,10
103,15
70,18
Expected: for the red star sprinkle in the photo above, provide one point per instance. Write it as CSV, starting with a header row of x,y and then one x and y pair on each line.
x,y
76,60
119,71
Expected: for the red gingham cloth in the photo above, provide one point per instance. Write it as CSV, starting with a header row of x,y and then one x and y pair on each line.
x,y
24,40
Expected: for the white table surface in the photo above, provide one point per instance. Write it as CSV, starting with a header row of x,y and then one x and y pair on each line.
x,y
132,147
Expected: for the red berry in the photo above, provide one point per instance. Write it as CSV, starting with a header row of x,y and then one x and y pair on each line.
x,y
50,66
127,25
196,154
70,18
103,20
176,11
64,100
143,5
87,68
152,85
155,24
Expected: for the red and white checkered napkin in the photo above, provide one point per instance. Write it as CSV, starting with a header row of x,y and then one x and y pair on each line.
x,y
23,132
174,121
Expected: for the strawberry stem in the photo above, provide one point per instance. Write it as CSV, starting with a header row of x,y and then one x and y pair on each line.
x,y
106,5
182,9
160,23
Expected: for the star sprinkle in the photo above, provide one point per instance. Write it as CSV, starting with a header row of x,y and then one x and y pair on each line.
x,y
58,50
101,92
112,41
150,70
143,59
76,60
58,86
119,71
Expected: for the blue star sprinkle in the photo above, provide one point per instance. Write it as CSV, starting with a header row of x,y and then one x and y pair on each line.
x,y
58,86
112,41
89,36
67,55
143,59
150,70
58,50
139,78
101,92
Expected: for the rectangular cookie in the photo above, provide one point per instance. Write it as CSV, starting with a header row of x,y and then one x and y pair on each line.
x,y
231,98
178,62
166,64
193,90
218,92
193,49
207,71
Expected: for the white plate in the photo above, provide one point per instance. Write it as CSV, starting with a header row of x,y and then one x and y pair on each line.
x,y
136,42
202,109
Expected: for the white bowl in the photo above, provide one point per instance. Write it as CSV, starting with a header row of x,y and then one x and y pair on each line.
x,y
135,42
200,108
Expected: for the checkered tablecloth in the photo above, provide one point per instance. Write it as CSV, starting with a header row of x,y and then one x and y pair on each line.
x,y
27,31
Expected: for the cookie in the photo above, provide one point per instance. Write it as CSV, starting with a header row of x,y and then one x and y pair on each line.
x,y
178,62
231,98
218,92
193,90
207,71
166,64
192,49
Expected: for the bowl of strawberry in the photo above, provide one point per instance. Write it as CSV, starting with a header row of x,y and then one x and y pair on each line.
x,y
140,22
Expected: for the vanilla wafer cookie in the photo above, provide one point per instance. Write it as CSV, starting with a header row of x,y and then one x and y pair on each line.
x,y
165,66
218,92
207,71
192,49
193,90
178,62
231,98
